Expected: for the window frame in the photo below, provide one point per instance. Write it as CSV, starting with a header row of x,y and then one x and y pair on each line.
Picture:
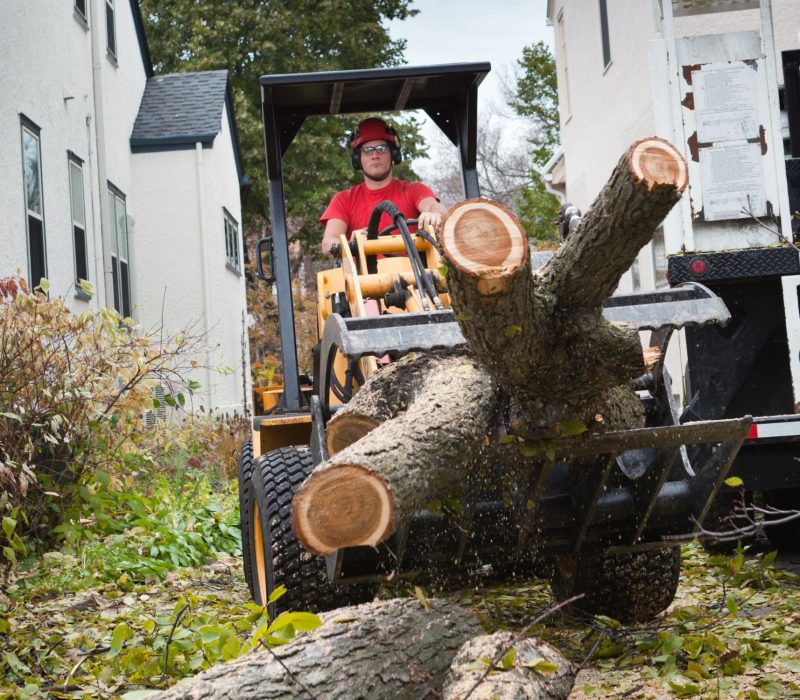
x,y
29,127
121,276
233,255
82,15
76,163
111,31
605,38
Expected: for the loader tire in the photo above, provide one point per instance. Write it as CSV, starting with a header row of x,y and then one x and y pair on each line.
x,y
244,472
630,587
278,558
785,536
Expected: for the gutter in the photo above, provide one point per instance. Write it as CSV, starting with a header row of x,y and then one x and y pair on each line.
x,y
204,257
103,263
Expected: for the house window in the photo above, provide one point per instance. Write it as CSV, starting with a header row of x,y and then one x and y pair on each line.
x,y
604,33
111,32
120,262
78,211
231,241
563,74
34,202
82,11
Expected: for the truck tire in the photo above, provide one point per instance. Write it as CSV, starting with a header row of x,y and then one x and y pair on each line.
x,y
630,587
785,536
244,472
278,558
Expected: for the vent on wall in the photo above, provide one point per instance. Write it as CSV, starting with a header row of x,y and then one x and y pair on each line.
x,y
152,417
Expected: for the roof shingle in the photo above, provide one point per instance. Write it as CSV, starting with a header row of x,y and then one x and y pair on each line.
x,y
180,108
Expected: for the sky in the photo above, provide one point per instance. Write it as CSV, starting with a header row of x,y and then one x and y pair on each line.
x,y
460,31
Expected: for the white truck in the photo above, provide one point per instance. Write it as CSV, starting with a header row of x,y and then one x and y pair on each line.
x,y
719,98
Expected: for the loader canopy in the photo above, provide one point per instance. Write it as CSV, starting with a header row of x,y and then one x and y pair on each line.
x,y
447,93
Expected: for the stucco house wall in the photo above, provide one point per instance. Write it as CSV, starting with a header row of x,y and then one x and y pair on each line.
x,y
46,50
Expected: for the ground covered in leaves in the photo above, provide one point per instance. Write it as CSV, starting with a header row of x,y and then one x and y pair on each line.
x,y
149,589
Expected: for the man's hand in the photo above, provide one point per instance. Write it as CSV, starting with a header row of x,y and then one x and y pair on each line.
x,y
432,219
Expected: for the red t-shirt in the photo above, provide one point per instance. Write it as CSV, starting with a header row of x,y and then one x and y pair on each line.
x,y
354,206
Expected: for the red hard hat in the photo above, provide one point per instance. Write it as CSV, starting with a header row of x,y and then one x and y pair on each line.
x,y
373,129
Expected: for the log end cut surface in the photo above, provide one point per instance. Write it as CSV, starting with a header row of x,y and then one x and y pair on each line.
x,y
343,506
344,432
657,162
485,239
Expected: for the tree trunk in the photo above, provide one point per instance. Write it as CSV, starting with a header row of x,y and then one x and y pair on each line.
x,y
386,649
523,677
416,455
416,430
542,336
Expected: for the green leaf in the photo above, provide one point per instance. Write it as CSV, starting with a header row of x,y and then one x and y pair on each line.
x,y
507,439
508,660
732,605
422,598
543,666
530,449
169,399
9,524
44,285
442,270
511,331
8,553
277,593
734,482
181,399
15,664
572,427
301,621
118,637
672,643
12,416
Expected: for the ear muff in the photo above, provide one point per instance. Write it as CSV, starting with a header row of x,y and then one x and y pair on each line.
x,y
388,133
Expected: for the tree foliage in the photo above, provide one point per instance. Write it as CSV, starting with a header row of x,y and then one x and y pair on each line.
x,y
251,38
536,99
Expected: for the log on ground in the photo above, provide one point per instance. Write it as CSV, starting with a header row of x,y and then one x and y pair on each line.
x,y
528,669
386,649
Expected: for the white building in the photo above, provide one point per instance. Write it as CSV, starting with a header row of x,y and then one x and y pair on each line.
x,y
623,74
126,179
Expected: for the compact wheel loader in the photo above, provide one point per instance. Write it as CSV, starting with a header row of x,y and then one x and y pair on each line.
x,y
603,522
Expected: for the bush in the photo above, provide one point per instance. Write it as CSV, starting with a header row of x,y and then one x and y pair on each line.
x,y
73,389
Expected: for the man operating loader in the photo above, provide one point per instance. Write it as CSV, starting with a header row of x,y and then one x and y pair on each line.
x,y
375,149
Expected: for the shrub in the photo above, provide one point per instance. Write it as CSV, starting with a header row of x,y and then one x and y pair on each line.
x,y
73,388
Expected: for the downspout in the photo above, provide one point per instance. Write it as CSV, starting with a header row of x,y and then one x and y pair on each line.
x,y
103,263
204,257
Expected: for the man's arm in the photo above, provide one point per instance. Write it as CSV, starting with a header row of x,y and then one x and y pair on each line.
x,y
334,228
431,213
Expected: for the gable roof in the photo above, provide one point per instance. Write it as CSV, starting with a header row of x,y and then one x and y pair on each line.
x,y
179,110
138,23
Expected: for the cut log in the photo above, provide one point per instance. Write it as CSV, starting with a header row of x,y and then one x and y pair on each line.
x,y
542,336
422,453
534,670
390,391
386,649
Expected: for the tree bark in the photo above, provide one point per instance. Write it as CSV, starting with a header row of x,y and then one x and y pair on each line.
x,y
386,649
520,681
542,336
420,453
